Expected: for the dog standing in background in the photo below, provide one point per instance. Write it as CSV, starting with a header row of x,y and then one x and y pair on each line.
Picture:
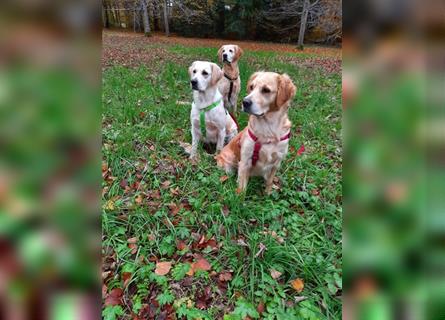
x,y
230,84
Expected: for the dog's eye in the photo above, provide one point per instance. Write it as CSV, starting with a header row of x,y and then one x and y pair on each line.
x,y
231,50
265,90
205,73
194,71
251,87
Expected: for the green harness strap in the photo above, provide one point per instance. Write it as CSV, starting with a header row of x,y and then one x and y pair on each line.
x,y
202,116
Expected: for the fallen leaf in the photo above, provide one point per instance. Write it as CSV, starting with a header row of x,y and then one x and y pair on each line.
x,y
202,264
133,247
223,178
132,240
262,249
162,268
165,184
175,191
174,209
109,205
260,307
126,276
300,150
114,298
275,274
226,276
297,284
123,183
181,245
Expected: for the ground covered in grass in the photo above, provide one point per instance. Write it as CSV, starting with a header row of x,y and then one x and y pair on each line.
x,y
178,241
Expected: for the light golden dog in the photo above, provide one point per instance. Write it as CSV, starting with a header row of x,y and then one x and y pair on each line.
x,y
211,123
230,84
259,149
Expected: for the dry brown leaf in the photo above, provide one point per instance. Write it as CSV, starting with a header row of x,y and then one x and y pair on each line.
x,y
297,284
132,240
223,178
162,268
165,184
275,274
133,247
225,276
181,245
126,276
200,264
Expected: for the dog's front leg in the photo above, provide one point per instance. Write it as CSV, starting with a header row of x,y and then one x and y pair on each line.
x,y
243,176
269,178
195,142
220,139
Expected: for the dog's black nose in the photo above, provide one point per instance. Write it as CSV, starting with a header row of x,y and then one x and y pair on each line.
x,y
225,56
247,103
194,82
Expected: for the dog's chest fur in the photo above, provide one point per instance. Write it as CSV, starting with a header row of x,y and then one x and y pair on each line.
x,y
270,155
215,118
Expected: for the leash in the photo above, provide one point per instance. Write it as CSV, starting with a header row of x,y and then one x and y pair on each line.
x,y
258,145
231,85
202,116
234,119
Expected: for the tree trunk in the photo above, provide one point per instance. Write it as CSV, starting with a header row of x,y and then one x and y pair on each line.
x,y
106,19
167,30
303,24
145,19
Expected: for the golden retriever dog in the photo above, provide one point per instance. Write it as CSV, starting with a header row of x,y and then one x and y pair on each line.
x,y
211,123
259,149
230,84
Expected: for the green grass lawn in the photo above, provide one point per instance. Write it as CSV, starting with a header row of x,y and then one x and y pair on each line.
x,y
158,206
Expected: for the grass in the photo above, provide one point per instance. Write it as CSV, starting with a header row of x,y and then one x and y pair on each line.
x,y
154,194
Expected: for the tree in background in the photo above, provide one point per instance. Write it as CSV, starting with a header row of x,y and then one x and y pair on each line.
x,y
276,20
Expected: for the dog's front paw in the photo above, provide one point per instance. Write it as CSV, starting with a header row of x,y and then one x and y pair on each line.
x,y
194,158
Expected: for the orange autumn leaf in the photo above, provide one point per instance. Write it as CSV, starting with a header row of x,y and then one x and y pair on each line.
x,y
162,268
200,264
223,178
297,284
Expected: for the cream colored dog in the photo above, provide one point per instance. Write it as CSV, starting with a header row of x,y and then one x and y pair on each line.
x,y
259,149
211,123
230,84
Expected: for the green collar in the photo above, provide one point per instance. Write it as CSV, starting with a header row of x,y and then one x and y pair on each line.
x,y
202,116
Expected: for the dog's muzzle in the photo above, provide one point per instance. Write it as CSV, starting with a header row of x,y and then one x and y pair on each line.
x,y
247,104
194,84
247,107
225,59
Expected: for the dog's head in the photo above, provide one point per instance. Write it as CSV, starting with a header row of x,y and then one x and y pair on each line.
x,y
229,53
268,92
204,74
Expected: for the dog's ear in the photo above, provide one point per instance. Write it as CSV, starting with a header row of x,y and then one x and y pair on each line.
x,y
252,77
216,74
220,54
191,69
286,90
238,52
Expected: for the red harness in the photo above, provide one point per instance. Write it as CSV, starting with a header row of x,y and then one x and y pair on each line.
x,y
257,147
